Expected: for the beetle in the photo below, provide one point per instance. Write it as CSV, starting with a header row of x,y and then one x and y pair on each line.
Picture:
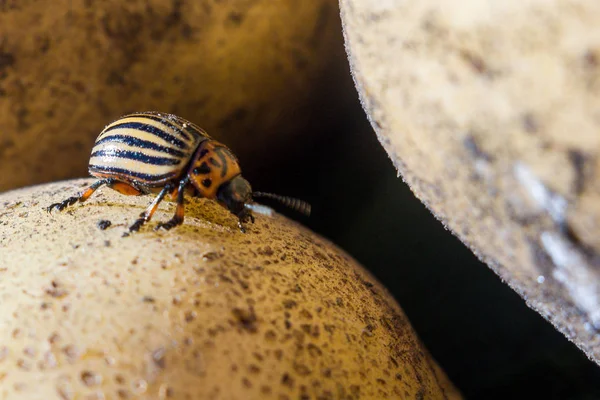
x,y
153,152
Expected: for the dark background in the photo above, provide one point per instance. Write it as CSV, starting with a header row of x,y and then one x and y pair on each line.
x,y
487,340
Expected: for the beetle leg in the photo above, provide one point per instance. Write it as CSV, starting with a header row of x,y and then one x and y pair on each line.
x,y
149,212
243,217
179,211
81,197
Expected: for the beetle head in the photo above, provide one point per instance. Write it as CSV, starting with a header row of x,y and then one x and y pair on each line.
x,y
234,195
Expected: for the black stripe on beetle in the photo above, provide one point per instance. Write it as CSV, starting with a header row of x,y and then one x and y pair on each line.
x,y
195,130
140,143
123,172
164,121
136,156
150,129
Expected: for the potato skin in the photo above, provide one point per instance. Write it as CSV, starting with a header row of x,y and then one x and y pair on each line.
x,y
201,311
490,113
246,71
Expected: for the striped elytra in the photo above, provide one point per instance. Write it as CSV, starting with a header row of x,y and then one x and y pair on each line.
x,y
149,148
152,152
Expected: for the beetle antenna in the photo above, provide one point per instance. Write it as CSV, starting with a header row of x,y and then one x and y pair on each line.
x,y
295,204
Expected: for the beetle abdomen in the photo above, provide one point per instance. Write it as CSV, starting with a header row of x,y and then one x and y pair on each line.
x,y
149,148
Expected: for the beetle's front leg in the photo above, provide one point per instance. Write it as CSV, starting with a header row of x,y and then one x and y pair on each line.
x,y
179,211
244,217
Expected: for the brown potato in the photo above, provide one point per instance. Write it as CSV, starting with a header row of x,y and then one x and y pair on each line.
x,y
249,72
489,110
201,311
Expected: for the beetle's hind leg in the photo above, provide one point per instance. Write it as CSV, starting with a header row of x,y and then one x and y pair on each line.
x,y
81,197
179,211
149,212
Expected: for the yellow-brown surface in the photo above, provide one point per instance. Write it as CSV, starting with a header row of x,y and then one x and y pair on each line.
x,y
201,311
247,71
489,110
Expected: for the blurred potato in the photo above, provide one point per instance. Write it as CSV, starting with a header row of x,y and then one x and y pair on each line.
x,y
249,72
489,110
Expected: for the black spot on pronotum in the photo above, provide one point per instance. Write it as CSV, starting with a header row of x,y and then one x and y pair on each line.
x,y
202,169
206,182
103,224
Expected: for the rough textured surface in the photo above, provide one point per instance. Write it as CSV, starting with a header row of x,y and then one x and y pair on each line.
x,y
489,110
202,311
247,71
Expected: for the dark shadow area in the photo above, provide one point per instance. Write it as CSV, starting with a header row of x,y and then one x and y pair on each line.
x,y
482,333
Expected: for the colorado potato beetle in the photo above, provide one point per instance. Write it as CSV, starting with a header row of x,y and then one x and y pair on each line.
x,y
152,152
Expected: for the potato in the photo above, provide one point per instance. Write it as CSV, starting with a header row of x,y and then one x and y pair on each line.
x,y
200,311
489,110
249,72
